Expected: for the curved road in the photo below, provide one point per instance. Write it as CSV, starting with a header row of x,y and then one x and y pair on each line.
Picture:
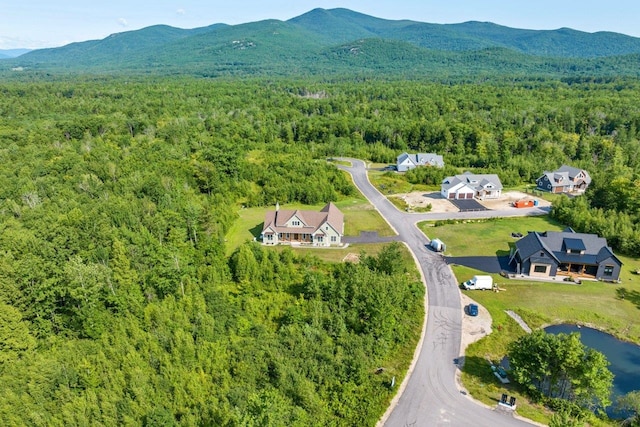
x,y
430,396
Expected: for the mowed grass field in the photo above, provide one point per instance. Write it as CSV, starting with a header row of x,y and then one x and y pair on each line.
x,y
486,237
389,182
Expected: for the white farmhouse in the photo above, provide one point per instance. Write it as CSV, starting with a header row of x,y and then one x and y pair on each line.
x,y
324,228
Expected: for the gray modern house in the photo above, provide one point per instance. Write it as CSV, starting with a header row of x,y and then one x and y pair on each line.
x,y
406,161
565,253
565,179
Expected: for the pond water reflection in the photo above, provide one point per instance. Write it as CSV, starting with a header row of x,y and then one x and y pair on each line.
x,y
624,357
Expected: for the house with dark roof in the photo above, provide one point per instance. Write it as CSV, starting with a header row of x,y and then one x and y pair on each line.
x,y
323,228
406,161
470,185
565,179
565,253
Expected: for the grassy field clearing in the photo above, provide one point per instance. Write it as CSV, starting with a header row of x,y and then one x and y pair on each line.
x,y
485,237
389,182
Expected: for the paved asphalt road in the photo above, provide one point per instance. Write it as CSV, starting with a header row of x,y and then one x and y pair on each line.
x,y
431,396
488,264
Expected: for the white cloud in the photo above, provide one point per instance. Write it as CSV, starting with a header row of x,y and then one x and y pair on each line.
x,y
181,11
123,22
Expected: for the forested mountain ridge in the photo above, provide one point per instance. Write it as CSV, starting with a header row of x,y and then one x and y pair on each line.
x,y
303,46
342,25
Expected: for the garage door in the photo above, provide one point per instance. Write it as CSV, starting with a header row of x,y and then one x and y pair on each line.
x,y
469,195
452,195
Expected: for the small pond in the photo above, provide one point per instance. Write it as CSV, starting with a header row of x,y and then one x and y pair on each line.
x,y
623,357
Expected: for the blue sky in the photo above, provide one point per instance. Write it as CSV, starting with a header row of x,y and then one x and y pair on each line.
x,y
50,23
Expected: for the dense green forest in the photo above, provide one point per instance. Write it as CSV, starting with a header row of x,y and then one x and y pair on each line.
x,y
117,301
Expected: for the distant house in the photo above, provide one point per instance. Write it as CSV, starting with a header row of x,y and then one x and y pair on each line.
x,y
324,228
565,253
406,161
566,179
469,185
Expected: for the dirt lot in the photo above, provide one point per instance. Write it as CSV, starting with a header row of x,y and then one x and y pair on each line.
x,y
440,204
474,328
421,199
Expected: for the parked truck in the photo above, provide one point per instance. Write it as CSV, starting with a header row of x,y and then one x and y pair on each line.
x,y
478,282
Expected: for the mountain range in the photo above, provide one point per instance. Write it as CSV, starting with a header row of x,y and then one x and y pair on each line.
x,y
341,41
12,53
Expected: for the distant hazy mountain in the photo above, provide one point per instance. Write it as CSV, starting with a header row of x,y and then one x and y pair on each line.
x,y
12,53
343,41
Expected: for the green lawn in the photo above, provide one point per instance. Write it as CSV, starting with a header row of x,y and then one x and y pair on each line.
x,y
485,237
359,216
389,182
